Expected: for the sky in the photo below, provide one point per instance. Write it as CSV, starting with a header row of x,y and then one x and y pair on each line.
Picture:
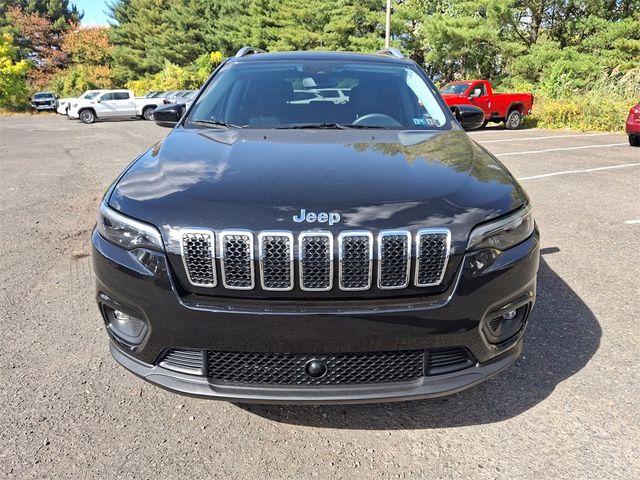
x,y
94,11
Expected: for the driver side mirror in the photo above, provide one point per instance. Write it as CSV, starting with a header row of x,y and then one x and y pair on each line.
x,y
469,117
168,115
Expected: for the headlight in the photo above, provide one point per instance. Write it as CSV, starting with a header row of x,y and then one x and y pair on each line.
x,y
127,232
504,233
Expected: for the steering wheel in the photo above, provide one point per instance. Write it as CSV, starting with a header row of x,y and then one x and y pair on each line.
x,y
377,120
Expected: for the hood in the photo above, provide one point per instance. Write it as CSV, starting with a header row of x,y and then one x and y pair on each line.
x,y
453,98
260,179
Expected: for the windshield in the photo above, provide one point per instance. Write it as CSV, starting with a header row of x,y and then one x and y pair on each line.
x,y
89,95
456,88
323,94
40,96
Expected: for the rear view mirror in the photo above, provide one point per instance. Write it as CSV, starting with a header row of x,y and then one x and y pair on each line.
x,y
168,115
468,116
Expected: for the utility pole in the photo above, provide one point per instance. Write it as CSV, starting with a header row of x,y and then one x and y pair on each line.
x,y
387,30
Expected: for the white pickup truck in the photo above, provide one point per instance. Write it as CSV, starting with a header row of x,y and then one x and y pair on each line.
x,y
113,104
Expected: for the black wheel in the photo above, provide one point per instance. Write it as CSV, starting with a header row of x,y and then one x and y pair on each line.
x,y
634,140
147,113
513,121
87,116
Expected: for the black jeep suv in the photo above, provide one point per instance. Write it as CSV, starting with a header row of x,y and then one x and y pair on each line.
x,y
282,245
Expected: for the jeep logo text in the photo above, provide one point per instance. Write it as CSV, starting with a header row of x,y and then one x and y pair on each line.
x,y
311,217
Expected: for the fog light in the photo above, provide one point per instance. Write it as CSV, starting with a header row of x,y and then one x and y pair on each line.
x,y
502,327
126,328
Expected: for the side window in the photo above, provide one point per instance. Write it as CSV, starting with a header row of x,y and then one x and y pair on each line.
x,y
481,87
120,96
106,96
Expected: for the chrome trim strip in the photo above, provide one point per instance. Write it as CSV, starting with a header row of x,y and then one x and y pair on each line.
x,y
427,231
390,233
276,233
311,233
226,233
341,237
200,231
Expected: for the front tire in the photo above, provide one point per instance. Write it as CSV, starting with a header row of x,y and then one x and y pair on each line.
x,y
87,116
514,120
147,113
634,140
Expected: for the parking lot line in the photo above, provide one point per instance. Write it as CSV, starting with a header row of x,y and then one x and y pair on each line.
x,y
543,138
632,222
586,170
528,152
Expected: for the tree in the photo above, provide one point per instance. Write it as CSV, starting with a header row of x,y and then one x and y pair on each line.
x,y
37,41
147,33
13,86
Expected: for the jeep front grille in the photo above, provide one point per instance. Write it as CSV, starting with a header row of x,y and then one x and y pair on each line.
x,y
277,252
237,259
316,261
198,254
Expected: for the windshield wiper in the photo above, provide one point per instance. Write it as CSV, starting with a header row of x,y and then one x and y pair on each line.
x,y
351,125
216,123
312,125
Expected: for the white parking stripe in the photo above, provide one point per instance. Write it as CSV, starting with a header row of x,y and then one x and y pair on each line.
x,y
543,138
587,170
633,222
528,152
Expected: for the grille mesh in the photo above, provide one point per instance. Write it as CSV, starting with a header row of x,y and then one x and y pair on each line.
x,y
433,251
186,361
448,360
197,251
355,262
316,262
276,261
289,368
237,261
394,260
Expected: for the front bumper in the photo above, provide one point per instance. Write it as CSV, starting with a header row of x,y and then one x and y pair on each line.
x,y
44,107
141,284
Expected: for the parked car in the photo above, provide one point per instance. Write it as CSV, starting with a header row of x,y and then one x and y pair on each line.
x,y
44,101
333,95
64,104
265,251
185,97
171,96
113,104
509,108
633,126
152,94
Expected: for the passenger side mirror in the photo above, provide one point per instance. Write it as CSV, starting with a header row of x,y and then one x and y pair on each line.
x,y
468,116
168,115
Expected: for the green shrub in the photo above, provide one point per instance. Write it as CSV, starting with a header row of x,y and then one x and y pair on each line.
x,y
14,93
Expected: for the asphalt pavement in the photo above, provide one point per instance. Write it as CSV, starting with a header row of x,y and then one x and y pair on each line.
x,y
567,409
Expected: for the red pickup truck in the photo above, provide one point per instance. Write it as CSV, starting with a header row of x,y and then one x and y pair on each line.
x,y
509,108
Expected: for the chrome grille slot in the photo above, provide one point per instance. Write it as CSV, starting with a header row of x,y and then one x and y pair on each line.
x,y
432,254
394,253
316,261
198,255
184,361
237,259
276,260
356,260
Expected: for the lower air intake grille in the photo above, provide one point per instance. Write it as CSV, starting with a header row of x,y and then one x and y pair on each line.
x,y
448,360
185,361
341,368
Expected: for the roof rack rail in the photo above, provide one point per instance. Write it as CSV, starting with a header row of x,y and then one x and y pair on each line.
x,y
392,52
244,51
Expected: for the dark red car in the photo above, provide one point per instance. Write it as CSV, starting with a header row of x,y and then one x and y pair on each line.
x,y
509,108
633,126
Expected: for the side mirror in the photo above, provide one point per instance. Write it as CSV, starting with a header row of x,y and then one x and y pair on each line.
x,y
98,100
168,115
468,116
